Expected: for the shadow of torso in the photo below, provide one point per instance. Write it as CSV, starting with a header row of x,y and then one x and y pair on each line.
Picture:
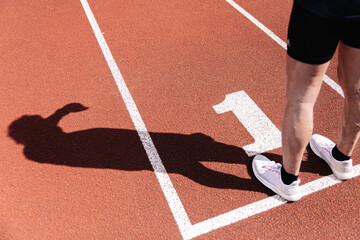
x,y
121,149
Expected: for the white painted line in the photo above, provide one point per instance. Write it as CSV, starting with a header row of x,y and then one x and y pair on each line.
x,y
262,205
271,34
187,230
266,135
167,187
333,85
258,24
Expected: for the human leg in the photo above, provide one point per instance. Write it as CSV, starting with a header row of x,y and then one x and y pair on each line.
x,y
338,157
311,45
304,83
303,86
349,77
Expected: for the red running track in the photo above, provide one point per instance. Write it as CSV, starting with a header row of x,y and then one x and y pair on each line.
x,y
89,177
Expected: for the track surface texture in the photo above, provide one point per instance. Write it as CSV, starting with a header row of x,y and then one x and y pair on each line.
x,y
166,103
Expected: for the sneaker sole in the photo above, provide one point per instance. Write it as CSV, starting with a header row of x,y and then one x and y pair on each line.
x,y
292,198
339,175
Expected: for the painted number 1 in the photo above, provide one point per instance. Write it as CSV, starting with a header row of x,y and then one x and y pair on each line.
x,y
267,136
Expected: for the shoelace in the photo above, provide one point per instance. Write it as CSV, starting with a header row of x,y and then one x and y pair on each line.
x,y
274,165
326,145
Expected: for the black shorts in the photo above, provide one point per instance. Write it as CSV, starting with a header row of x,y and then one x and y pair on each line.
x,y
313,39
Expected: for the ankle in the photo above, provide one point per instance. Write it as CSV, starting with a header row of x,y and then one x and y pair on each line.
x,y
338,155
287,178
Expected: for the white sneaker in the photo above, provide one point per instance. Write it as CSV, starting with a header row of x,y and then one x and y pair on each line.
x,y
269,173
322,147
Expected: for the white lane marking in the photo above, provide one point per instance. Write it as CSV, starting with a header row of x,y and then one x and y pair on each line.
x,y
167,187
266,135
263,205
187,230
258,24
271,34
333,85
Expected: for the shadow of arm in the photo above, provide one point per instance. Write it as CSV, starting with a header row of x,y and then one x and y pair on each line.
x,y
60,113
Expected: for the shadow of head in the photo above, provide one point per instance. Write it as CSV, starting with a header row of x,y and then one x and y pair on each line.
x,y
30,129
34,129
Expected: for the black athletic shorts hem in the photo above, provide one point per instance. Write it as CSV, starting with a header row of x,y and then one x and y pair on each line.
x,y
313,39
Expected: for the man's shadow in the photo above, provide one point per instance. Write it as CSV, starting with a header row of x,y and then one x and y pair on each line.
x,y
121,149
